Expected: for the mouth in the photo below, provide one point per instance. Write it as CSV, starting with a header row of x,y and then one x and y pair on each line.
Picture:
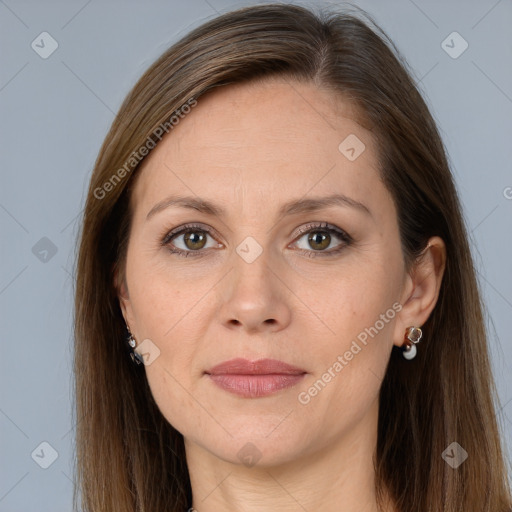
x,y
255,379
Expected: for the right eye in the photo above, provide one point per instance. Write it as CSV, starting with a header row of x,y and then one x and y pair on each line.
x,y
191,239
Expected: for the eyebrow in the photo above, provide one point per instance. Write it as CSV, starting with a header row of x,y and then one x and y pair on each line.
x,y
306,205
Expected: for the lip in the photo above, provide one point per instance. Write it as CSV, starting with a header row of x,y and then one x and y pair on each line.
x,y
241,366
254,379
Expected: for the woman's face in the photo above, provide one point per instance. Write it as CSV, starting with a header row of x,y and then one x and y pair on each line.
x,y
286,248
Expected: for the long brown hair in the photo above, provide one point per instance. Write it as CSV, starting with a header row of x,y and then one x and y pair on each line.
x,y
129,457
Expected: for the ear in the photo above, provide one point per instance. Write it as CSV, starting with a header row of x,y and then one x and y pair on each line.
x,y
121,287
421,288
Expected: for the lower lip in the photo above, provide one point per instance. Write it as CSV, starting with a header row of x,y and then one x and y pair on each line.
x,y
255,386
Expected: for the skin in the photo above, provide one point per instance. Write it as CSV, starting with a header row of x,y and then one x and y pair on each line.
x,y
250,148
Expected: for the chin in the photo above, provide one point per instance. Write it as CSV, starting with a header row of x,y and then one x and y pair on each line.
x,y
256,444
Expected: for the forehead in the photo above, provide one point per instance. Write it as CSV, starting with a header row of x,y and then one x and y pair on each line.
x,y
274,137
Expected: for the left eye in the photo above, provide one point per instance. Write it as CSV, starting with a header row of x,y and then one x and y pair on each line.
x,y
319,239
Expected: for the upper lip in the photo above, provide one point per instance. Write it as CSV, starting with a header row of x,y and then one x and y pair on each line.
x,y
241,366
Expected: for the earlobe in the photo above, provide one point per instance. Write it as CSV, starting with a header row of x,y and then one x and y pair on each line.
x,y
123,304
423,286
124,299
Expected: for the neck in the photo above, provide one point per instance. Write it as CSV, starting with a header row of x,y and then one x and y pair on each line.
x,y
338,477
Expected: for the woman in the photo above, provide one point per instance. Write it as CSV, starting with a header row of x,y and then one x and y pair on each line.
x,y
276,305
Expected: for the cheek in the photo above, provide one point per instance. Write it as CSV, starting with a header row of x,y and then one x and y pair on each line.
x,y
168,391
360,312
165,298
168,312
351,298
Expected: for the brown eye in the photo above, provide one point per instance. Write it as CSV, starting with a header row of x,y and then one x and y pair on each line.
x,y
319,240
194,240
322,240
190,240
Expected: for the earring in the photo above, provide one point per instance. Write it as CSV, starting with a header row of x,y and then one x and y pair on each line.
x,y
412,336
132,342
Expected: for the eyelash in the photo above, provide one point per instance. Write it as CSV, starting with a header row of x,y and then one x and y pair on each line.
x,y
309,228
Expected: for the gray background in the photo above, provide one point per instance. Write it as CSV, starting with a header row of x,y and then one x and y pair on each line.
x,y
55,113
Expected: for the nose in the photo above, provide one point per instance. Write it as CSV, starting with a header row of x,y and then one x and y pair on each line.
x,y
256,298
